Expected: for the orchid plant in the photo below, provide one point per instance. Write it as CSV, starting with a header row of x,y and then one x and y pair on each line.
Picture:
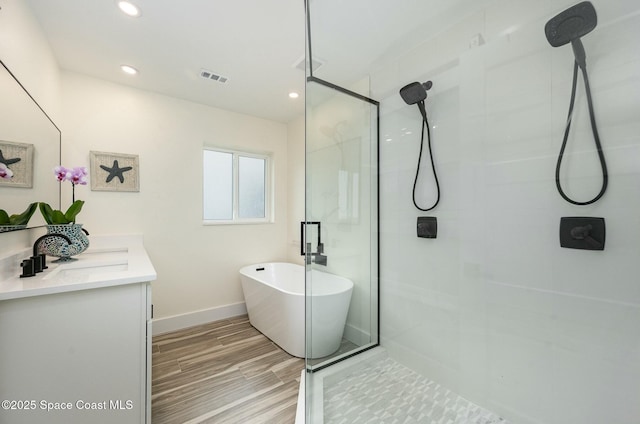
x,y
75,176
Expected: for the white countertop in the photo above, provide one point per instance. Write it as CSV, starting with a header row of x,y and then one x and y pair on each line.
x,y
109,261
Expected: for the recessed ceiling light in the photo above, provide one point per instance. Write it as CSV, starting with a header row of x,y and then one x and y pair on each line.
x,y
129,8
294,95
129,69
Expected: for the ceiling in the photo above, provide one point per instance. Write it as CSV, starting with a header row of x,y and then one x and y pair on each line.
x,y
254,43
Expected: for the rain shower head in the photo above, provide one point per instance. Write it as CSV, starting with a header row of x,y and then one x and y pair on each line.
x,y
415,92
571,24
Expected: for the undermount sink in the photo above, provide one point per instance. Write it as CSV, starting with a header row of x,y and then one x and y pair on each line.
x,y
65,271
92,263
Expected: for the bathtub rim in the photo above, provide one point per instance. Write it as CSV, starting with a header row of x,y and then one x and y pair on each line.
x,y
350,285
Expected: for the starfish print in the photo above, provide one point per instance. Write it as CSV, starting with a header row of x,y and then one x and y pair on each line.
x,y
116,171
8,162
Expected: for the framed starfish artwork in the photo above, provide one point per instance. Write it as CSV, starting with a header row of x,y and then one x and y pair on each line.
x,y
114,172
17,164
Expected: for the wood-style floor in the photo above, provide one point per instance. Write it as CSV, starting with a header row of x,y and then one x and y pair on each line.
x,y
223,372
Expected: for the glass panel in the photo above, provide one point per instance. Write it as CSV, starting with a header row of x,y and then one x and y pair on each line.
x,y
341,184
218,185
251,187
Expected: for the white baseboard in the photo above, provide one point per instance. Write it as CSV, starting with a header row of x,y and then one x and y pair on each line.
x,y
356,335
189,319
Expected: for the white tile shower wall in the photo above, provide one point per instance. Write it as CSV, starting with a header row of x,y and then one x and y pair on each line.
x,y
494,308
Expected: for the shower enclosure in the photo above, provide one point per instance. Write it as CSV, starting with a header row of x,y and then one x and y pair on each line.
x,y
520,310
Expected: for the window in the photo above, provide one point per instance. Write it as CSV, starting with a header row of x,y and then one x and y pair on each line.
x,y
236,187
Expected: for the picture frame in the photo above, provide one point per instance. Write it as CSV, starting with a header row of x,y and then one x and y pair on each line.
x,y
114,172
18,157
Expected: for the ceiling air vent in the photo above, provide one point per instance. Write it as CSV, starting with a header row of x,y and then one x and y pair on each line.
x,y
206,74
301,63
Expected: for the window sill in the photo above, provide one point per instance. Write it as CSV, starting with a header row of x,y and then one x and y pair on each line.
x,y
247,222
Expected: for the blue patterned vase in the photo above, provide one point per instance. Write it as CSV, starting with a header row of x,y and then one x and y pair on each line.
x,y
54,246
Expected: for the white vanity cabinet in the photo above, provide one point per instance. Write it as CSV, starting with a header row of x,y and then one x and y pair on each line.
x,y
81,354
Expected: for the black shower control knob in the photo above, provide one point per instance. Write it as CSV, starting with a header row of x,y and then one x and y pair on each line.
x,y
427,227
581,233
427,85
584,233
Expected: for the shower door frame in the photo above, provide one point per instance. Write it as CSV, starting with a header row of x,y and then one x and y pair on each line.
x,y
310,368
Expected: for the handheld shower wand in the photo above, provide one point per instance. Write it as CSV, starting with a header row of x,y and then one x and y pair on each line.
x,y
416,93
567,27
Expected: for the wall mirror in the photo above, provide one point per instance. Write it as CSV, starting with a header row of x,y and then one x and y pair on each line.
x,y
30,146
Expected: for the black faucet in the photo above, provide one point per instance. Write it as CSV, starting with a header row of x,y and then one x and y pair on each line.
x,y
318,257
40,259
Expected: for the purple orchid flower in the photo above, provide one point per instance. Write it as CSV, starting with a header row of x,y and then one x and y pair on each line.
x,y
5,172
78,175
61,173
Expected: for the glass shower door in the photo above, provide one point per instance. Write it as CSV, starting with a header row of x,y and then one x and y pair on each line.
x,y
341,231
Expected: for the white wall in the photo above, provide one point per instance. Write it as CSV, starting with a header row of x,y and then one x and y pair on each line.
x,y
295,187
494,308
197,265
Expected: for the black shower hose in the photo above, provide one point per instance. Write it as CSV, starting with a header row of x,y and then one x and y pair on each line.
x,y
425,123
596,137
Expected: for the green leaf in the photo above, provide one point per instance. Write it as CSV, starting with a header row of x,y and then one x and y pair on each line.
x,y
74,210
57,217
47,212
24,217
54,217
4,217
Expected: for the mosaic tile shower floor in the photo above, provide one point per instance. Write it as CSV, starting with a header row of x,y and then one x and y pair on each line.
x,y
388,393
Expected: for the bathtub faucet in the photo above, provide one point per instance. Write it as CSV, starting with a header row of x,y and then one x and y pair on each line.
x,y
318,257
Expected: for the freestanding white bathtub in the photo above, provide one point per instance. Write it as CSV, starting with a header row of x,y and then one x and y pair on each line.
x,y
275,298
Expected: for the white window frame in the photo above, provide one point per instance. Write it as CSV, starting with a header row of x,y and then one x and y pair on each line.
x,y
268,188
